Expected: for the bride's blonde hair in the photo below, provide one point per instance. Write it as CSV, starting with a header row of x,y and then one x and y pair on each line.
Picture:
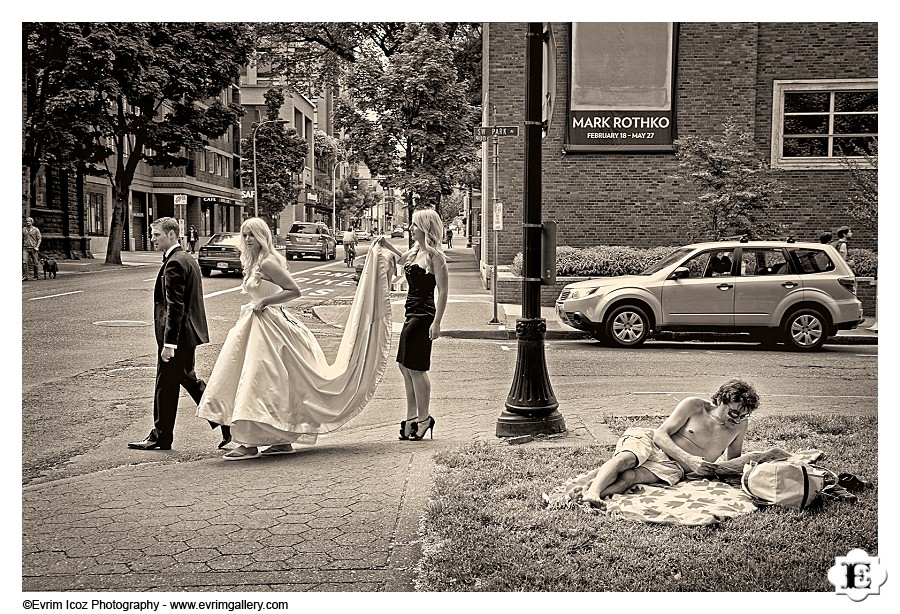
x,y
430,223
250,259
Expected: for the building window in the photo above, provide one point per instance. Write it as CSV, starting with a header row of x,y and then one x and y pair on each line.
x,y
218,162
815,123
210,161
96,214
202,160
224,166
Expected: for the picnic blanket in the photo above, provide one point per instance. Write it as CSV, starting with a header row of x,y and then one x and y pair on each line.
x,y
693,501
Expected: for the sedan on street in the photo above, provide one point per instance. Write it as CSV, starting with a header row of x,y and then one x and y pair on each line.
x,y
220,253
778,291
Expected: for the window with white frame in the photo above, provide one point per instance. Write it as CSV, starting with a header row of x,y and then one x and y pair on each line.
x,y
817,122
224,166
202,160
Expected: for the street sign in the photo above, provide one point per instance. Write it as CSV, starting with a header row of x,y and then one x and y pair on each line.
x,y
486,131
498,216
181,199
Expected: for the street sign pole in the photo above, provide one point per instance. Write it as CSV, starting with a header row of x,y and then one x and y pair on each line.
x,y
495,227
482,133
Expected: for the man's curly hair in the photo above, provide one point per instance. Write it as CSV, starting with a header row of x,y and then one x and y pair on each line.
x,y
737,391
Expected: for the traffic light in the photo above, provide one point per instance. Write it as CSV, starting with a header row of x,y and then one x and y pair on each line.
x,y
354,183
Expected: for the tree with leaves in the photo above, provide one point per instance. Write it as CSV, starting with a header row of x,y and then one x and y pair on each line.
x,y
280,158
409,118
738,191
128,92
413,91
864,178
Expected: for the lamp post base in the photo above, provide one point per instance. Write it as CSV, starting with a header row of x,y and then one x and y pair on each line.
x,y
531,407
516,425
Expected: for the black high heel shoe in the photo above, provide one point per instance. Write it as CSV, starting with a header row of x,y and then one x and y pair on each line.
x,y
415,436
404,430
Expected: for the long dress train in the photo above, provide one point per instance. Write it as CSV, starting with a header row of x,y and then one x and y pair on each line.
x,y
272,382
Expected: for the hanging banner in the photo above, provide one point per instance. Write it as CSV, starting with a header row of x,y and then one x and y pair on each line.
x,y
621,85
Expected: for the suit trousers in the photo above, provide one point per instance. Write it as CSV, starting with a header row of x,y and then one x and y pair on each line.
x,y
170,377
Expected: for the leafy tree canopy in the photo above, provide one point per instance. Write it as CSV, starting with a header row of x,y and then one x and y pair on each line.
x,y
133,91
864,178
413,91
737,190
280,158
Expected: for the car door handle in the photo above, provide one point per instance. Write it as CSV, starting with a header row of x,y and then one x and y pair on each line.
x,y
725,286
789,285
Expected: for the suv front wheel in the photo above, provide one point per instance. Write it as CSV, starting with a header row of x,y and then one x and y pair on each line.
x,y
627,326
805,330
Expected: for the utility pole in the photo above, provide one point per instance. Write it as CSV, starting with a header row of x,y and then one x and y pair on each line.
x,y
531,406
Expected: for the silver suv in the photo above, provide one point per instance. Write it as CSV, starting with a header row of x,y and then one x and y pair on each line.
x,y
796,293
310,238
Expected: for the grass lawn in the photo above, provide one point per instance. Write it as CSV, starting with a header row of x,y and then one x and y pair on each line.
x,y
487,528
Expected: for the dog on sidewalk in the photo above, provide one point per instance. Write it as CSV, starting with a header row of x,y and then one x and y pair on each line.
x,y
50,267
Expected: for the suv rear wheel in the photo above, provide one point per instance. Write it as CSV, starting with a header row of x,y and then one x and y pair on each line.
x,y
805,330
627,326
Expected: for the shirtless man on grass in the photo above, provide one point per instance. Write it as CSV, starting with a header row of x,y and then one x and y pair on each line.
x,y
690,440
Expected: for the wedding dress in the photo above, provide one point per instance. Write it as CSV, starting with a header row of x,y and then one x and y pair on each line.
x,y
272,382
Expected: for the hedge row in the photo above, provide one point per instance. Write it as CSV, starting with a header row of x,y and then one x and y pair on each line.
x,y
613,260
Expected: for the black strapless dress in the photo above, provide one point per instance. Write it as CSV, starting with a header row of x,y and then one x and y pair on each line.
x,y
414,349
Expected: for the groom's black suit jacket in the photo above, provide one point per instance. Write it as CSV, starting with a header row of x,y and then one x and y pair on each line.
x,y
178,311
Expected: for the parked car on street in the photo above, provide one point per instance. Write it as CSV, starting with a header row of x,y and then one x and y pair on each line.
x,y
397,232
221,255
363,235
310,239
777,291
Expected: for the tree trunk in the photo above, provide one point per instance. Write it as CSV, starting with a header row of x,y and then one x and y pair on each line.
x,y
117,226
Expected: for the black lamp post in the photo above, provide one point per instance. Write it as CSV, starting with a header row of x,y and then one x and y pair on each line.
x,y
531,407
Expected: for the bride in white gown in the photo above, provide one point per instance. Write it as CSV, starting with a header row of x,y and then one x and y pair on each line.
x,y
272,382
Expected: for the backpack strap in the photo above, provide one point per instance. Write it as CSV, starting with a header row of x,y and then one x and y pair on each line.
x,y
803,502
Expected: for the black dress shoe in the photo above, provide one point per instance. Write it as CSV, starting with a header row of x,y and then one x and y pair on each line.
x,y
149,444
226,436
226,433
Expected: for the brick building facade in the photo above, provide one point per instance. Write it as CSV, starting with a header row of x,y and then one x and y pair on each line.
x,y
721,71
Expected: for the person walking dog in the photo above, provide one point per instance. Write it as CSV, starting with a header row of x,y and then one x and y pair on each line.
x,y
31,245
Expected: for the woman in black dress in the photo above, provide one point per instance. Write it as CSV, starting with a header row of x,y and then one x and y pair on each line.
x,y
425,268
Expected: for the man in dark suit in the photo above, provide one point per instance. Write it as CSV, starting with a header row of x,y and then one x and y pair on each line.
x,y
180,323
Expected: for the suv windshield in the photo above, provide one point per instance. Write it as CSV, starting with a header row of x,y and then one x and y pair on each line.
x,y
675,256
308,229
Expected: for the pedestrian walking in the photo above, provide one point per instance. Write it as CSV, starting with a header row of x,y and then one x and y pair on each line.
x,y
272,382
840,244
825,238
449,235
31,245
192,237
425,267
180,325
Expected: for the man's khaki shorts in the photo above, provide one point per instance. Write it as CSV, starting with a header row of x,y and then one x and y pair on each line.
x,y
639,441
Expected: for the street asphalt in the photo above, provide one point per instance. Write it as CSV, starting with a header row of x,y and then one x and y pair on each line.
x,y
341,515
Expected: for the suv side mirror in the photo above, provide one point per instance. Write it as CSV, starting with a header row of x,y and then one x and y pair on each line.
x,y
681,272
